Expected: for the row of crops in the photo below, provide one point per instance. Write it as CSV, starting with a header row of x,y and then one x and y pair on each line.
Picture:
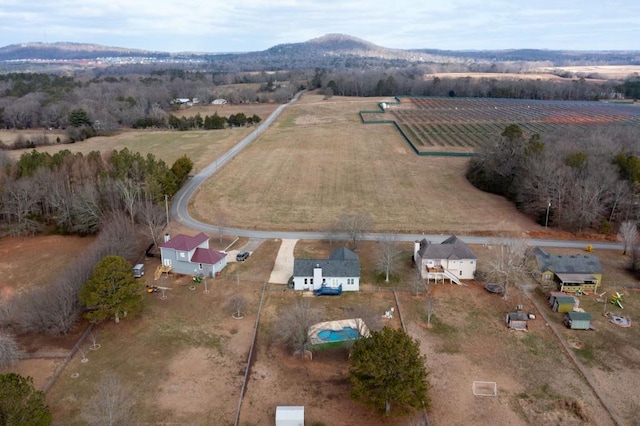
x,y
465,122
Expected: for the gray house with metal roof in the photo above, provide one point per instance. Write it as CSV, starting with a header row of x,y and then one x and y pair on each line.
x,y
341,268
575,272
189,255
452,259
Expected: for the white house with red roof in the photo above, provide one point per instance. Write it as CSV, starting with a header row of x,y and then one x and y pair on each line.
x,y
189,255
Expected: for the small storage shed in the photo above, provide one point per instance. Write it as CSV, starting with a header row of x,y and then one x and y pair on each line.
x,y
564,304
554,294
289,415
578,320
517,320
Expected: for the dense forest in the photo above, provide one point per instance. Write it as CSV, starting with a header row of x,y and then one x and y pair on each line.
x,y
578,181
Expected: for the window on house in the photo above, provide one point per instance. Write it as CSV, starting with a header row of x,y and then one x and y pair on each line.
x,y
311,281
305,281
200,266
461,273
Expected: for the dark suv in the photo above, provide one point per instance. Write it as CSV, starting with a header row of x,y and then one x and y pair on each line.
x,y
241,257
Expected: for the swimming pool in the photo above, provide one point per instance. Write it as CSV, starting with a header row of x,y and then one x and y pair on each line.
x,y
347,333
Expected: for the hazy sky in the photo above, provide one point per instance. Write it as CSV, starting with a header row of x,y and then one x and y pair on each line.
x,y
252,25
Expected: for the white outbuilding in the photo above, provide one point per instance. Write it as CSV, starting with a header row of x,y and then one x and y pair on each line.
x,y
289,415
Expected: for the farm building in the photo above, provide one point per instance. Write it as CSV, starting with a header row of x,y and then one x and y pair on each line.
x,y
452,260
564,304
517,320
191,255
578,320
341,269
571,273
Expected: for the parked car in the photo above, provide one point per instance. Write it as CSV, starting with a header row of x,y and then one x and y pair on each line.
x,y
241,257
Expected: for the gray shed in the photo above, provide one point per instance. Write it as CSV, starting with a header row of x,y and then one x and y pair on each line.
x,y
578,320
289,415
517,320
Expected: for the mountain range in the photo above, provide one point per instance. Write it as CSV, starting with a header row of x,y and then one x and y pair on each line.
x,y
329,50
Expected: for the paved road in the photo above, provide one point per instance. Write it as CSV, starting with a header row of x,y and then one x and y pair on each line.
x,y
181,200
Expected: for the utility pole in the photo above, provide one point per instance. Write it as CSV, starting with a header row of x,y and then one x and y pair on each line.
x,y
546,221
166,207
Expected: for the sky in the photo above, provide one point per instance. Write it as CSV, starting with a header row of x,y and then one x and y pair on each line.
x,y
254,25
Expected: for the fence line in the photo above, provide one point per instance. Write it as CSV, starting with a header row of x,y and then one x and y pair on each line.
x,y
250,357
70,355
395,296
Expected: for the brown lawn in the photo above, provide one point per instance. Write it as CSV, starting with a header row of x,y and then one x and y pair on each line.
x,y
183,358
318,161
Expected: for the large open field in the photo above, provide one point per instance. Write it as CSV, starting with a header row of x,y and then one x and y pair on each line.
x,y
319,161
199,145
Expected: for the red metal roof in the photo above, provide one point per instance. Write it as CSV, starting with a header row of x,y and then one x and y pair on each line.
x,y
209,257
185,242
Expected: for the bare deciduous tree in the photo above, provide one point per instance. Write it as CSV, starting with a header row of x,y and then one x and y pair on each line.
x,y
154,219
627,235
9,352
236,305
19,203
292,329
117,237
130,193
429,307
221,221
112,403
386,254
354,225
418,284
507,262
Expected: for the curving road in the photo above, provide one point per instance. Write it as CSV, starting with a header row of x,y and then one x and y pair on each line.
x,y
180,203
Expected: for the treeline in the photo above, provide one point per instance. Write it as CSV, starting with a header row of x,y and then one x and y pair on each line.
x,y
31,101
117,196
72,193
120,99
584,180
209,122
412,82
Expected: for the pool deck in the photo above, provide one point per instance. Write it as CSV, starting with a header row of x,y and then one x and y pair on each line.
x,y
355,323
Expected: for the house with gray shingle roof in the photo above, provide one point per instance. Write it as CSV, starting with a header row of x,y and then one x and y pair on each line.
x,y
189,255
572,273
341,268
452,259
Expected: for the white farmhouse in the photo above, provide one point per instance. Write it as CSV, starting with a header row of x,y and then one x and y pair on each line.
x,y
341,269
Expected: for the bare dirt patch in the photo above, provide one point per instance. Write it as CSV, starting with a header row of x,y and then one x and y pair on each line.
x,y
50,253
